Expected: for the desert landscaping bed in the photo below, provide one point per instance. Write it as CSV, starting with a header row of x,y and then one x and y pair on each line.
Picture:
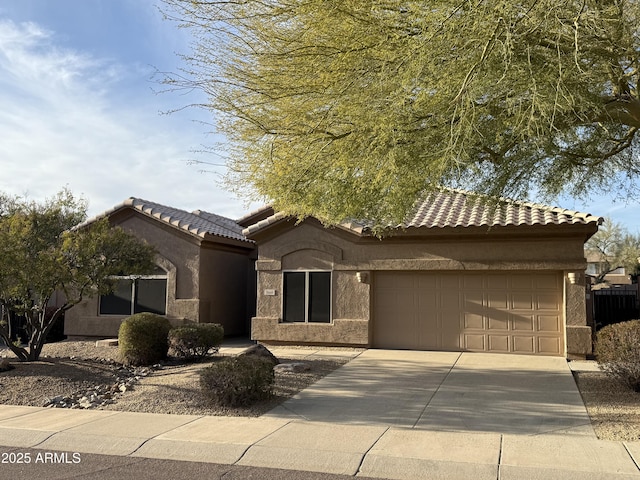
x,y
613,407
73,374
73,370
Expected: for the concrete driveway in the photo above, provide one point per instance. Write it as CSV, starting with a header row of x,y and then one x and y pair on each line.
x,y
448,391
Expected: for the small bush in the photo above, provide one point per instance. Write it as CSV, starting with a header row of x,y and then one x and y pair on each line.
x,y
239,381
195,341
618,352
142,339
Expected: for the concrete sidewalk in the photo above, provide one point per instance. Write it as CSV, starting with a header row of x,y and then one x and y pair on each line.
x,y
394,415
358,450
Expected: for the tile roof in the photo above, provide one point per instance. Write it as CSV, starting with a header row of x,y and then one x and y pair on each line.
x,y
255,216
449,208
198,223
457,208
223,222
276,217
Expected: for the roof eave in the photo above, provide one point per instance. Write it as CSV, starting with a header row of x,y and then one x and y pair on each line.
x,y
209,237
255,216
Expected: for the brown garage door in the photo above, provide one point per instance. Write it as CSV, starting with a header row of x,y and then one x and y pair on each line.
x,y
484,312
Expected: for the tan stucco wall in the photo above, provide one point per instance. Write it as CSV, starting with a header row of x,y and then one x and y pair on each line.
x,y
309,246
172,245
579,335
203,285
104,326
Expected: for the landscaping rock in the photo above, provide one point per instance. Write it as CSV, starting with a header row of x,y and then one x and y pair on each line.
x,y
295,367
101,395
262,352
5,366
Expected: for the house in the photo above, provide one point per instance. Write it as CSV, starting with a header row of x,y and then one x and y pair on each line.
x,y
596,265
204,272
459,274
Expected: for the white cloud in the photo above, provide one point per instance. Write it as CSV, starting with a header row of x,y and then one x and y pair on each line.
x,y
68,118
35,68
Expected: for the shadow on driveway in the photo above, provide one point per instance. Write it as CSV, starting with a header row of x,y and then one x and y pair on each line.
x,y
450,391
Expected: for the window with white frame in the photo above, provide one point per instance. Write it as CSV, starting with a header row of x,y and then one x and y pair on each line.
x,y
136,294
307,296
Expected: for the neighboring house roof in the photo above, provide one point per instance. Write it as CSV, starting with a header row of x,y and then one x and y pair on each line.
x,y
457,208
198,223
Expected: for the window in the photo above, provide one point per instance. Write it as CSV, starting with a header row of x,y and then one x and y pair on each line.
x,y
137,294
307,297
596,268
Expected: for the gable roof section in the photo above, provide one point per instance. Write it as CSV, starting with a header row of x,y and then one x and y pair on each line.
x,y
198,223
449,208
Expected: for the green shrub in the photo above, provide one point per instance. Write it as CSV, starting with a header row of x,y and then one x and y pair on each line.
x,y
618,352
195,341
239,381
142,339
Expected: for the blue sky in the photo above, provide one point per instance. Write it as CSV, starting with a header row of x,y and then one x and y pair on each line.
x,y
79,108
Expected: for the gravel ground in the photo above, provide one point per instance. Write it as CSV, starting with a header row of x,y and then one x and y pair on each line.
x,y
613,407
66,368
69,367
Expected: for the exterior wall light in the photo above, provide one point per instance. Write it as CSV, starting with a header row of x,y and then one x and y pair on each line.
x,y
363,277
573,277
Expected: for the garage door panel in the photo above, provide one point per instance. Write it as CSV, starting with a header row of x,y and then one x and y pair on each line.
x,y
397,310
523,344
498,300
473,320
474,342
547,280
498,321
547,302
497,282
426,282
450,323
522,301
548,345
522,322
472,297
499,343
522,282
450,282
451,299
477,311
428,301
473,282
548,323
450,320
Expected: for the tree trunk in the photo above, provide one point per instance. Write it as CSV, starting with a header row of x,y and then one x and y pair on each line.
x,y
41,329
20,352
